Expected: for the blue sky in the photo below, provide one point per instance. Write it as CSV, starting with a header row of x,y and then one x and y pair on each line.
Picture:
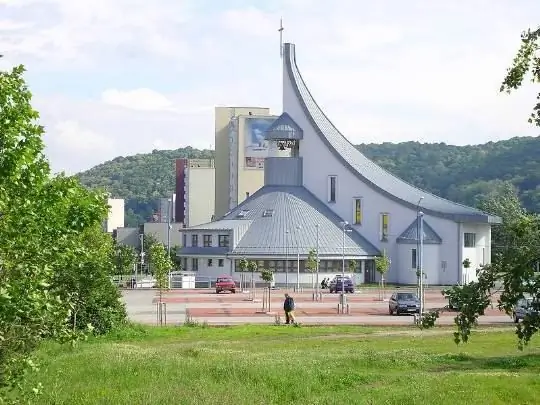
x,y
121,77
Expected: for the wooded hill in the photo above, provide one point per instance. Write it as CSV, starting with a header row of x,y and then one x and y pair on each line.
x,y
463,174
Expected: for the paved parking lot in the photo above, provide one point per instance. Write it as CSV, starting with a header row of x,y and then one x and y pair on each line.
x,y
366,308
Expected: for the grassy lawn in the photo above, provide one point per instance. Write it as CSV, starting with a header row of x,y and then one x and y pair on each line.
x,y
288,365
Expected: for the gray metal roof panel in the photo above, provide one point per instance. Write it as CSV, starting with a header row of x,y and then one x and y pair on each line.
x,y
365,169
222,225
410,235
294,206
284,128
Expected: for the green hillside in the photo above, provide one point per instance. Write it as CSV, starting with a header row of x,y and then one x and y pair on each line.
x,y
460,173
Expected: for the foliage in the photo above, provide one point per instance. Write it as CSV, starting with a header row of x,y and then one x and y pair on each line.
x,y
526,61
311,264
125,257
465,174
50,230
175,259
161,265
376,366
267,275
511,275
353,265
382,263
243,264
252,266
140,179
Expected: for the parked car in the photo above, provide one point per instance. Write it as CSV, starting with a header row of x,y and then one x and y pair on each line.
x,y
225,283
339,284
523,308
403,303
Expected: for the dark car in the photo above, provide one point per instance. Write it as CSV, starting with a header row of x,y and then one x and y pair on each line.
x,y
403,303
339,284
225,283
523,308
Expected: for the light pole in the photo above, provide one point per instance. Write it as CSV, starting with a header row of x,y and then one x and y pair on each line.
x,y
421,219
317,260
418,238
141,236
287,259
344,225
297,260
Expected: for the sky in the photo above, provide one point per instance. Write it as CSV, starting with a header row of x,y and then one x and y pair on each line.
x,y
119,77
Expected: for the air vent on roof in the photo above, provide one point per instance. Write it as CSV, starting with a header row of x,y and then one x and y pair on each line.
x,y
268,213
242,214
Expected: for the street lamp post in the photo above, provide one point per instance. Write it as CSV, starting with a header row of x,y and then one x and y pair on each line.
x,y
344,225
287,259
421,264
298,228
317,265
419,248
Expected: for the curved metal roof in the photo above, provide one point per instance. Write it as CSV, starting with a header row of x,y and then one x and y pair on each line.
x,y
366,170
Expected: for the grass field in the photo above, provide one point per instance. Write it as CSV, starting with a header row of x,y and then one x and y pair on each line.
x,y
289,365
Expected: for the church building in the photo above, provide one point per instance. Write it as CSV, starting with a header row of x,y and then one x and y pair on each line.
x,y
322,195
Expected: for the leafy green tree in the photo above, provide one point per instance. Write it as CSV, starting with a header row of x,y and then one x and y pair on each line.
x,y
526,61
125,258
243,264
511,274
46,224
382,265
311,265
162,265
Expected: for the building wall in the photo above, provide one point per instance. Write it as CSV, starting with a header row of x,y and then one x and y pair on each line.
x,y
479,254
115,218
159,231
433,271
223,116
180,187
199,192
128,236
319,163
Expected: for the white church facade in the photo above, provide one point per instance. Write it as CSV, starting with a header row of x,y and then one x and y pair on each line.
x,y
322,194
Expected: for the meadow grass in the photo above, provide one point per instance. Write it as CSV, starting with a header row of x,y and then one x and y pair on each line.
x,y
291,365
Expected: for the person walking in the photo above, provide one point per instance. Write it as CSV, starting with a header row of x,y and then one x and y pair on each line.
x,y
288,307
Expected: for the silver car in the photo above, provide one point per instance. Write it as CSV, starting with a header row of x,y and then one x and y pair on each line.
x,y
523,308
403,303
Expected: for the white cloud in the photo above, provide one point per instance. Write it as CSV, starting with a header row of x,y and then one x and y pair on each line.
x,y
138,99
147,74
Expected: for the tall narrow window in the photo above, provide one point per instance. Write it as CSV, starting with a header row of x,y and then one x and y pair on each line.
x,y
385,220
413,259
332,180
194,264
357,211
194,240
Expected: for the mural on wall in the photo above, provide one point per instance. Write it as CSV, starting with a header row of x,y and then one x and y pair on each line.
x,y
256,147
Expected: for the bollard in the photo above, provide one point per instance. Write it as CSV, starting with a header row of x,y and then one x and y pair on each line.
x,y
321,297
348,309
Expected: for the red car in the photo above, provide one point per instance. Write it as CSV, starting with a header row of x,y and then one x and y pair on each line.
x,y
225,283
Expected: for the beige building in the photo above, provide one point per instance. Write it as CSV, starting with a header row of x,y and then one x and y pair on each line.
x,y
115,219
159,231
240,152
195,191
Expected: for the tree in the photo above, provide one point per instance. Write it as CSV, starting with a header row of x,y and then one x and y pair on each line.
x,y
382,265
311,265
162,265
526,61
149,240
268,276
175,259
125,258
46,224
252,267
243,264
511,274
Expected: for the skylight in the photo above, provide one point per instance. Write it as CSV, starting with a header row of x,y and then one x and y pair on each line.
x,y
268,213
242,214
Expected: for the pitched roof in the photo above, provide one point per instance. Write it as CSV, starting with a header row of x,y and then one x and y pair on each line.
x,y
284,128
367,171
273,210
410,235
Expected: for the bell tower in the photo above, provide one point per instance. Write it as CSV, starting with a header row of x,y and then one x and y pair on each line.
x,y
283,166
